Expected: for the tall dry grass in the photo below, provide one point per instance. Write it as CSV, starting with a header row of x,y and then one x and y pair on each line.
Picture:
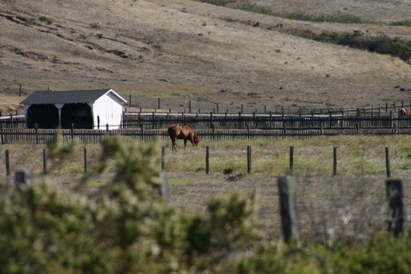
x,y
356,156
351,204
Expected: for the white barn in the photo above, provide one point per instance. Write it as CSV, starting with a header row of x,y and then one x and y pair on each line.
x,y
89,109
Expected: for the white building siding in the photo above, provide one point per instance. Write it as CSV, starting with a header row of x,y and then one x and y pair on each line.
x,y
109,110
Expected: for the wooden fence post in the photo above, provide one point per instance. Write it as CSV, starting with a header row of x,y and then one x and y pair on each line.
x,y
142,131
163,159
213,130
1,133
387,161
44,161
271,119
207,160
248,159
85,159
7,155
288,208
21,177
335,161
284,127
72,132
36,125
291,159
395,206
330,122
164,186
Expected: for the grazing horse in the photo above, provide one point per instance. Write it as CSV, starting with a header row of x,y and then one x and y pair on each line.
x,y
405,112
182,132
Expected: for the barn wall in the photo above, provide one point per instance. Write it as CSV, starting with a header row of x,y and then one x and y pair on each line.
x,y
109,109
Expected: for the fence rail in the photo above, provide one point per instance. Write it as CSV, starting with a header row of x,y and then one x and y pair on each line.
x,y
147,126
264,121
84,136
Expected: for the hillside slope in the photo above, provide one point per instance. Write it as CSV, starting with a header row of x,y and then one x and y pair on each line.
x,y
185,50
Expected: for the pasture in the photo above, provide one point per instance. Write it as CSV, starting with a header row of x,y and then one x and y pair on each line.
x,y
350,204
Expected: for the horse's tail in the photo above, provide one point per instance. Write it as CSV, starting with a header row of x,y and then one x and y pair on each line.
x,y
170,131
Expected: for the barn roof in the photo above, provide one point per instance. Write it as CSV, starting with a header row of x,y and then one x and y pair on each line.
x,y
67,97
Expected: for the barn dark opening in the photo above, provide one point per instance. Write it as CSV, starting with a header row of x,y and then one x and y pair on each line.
x,y
46,116
78,114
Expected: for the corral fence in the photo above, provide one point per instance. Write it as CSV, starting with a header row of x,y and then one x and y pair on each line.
x,y
43,136
90,136
275,117
283,122
269,120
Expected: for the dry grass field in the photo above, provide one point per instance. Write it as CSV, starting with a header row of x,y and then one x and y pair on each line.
x,y
351,204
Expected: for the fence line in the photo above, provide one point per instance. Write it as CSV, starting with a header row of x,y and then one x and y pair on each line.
x,y
221,107
265,121
278,116
89,136
207,162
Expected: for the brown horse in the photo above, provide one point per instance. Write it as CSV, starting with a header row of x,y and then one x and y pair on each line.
x,y
182,132
405,112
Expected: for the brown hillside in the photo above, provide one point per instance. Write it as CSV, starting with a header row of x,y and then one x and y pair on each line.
x,y
180,50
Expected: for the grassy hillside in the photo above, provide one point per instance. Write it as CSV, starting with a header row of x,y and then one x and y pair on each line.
x,y
187,50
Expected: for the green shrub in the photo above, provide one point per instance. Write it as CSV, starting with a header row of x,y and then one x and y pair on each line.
x,y
216,2
406,23
46,20
381,44
336,17
125,229
95,26
381,254
128,228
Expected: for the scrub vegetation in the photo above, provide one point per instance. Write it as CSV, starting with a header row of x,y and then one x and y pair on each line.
x,y
127,227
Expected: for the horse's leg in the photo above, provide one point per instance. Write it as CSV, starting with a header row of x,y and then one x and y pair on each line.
x,y
173,144
185,143
192,140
